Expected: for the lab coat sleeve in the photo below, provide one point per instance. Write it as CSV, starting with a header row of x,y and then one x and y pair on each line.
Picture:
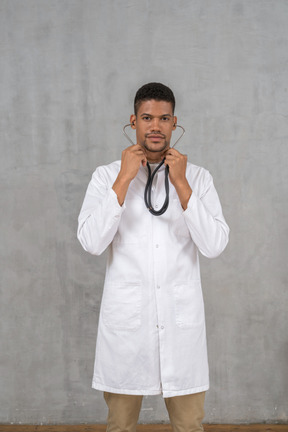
x,y
205,220
100,214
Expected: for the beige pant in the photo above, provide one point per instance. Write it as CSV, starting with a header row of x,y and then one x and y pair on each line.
x,y
185,412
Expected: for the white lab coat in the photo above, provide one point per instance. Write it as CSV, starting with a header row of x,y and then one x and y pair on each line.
x,y
151,335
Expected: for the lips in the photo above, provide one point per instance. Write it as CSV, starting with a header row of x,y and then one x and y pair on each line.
x,y
155,137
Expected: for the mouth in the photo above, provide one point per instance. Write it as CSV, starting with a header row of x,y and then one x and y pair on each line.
x,y
155,137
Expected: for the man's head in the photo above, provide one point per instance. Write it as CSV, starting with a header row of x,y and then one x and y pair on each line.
x,y
154,119
156,91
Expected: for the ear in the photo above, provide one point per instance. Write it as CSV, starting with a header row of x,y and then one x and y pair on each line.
x,y
133,121
174,122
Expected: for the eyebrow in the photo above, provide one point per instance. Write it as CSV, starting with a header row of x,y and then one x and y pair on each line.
x,y
150,115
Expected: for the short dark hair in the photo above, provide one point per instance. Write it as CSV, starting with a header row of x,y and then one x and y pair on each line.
x,y
156,91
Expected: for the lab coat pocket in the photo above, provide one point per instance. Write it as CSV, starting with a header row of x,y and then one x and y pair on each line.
x,y
122,305
189,307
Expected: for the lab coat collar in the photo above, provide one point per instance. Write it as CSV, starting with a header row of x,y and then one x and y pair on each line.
x,y
143,172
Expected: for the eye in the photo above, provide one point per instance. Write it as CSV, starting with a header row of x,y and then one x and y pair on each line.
x,y
165,118
146,118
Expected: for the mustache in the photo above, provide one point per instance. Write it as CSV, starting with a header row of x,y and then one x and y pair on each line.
x,y
155,133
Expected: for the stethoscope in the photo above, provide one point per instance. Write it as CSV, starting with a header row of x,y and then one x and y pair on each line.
x,y
148,187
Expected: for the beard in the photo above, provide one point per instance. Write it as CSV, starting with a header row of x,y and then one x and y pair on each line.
x,y
152,149
155,150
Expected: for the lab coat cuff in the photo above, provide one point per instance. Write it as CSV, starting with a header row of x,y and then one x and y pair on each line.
x,y
116,209
191,203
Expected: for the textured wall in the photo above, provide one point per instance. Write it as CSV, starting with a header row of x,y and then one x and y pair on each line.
x,y
69,71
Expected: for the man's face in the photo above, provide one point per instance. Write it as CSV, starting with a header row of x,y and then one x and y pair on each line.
x,y
154,124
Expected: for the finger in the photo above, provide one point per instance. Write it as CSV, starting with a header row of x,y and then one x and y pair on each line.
x,y
137,147
165,153
173,151
169,161
134,149
175,154
142,155
137,151
171,158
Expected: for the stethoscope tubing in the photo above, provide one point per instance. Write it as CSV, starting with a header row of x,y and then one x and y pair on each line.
x,y
148,190
148,187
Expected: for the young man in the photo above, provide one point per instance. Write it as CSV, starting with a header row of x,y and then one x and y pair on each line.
x,y
151,335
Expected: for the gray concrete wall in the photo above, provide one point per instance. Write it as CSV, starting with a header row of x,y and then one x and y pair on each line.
x,y
69,71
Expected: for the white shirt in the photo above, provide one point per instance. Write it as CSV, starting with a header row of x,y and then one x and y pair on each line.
x,y
151,335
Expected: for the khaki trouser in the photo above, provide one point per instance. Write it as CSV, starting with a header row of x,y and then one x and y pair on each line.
x,y
185,412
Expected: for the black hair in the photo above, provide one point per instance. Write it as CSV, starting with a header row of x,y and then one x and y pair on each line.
x,y
156,91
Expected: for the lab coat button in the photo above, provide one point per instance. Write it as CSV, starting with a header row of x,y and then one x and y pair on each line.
x,y
162,327
158,286
157,246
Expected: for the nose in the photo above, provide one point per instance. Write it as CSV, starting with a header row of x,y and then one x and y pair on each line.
x,y
155,124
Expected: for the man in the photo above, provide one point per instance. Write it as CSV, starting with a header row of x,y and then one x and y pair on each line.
x,y
151,335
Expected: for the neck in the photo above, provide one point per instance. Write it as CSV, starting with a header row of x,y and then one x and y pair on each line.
x,y
154,161
154,157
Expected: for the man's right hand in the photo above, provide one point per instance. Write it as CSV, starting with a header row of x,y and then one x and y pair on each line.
x,y
132,158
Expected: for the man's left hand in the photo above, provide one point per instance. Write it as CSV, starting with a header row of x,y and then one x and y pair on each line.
x,y
177,163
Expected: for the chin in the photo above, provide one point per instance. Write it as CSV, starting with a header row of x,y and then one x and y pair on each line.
x,y
156,150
